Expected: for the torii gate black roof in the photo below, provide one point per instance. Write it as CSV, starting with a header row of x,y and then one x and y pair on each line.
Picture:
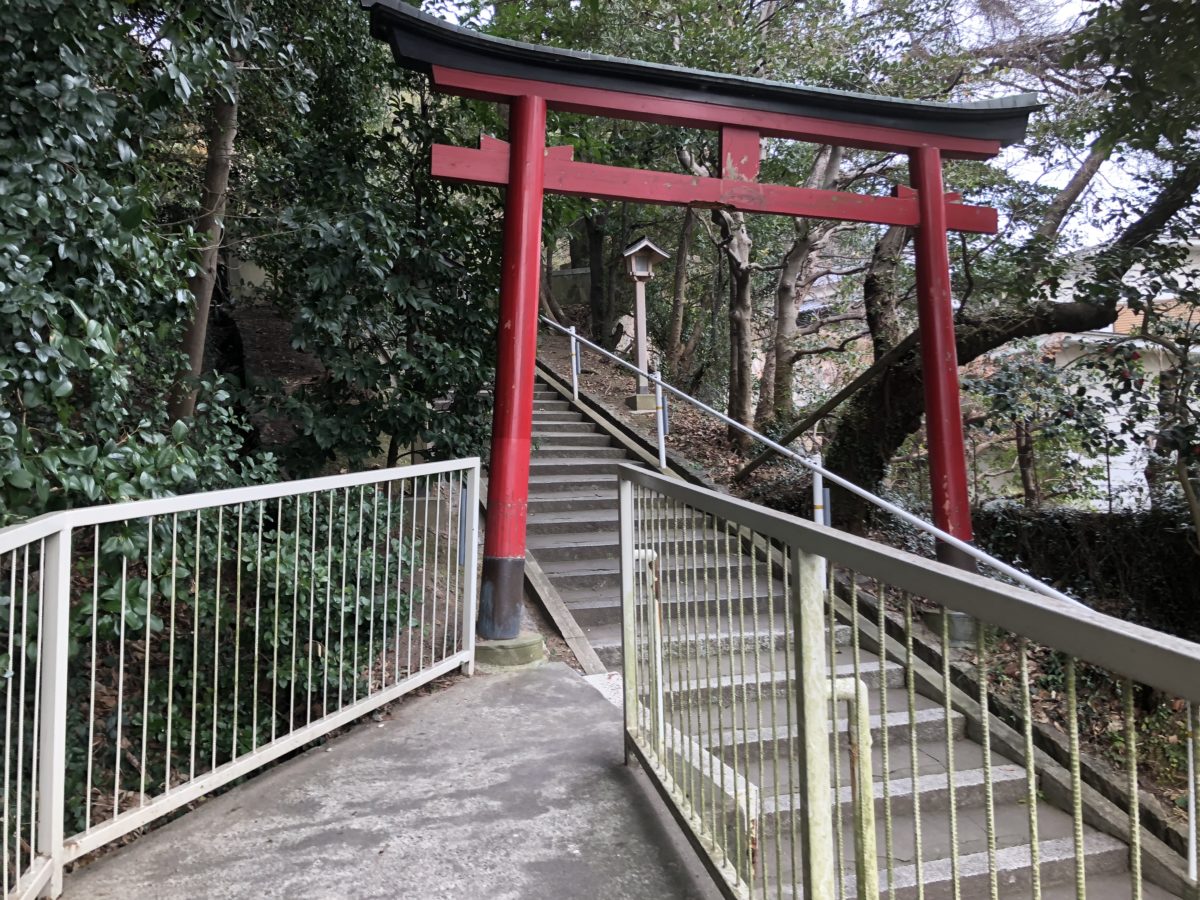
x,y
420,41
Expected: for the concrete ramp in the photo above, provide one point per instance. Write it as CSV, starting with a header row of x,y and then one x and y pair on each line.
x,y
506,787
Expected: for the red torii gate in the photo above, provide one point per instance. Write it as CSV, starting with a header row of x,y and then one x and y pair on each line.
x,y
532,79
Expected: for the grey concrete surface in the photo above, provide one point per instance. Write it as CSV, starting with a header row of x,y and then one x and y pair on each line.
x,y
502,786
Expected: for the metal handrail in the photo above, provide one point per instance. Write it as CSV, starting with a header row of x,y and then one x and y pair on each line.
x,y
899,512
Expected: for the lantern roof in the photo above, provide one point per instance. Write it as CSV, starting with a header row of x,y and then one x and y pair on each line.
x,y
644,243
420,41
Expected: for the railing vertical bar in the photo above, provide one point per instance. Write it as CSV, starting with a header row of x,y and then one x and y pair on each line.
x,y
713,647
459,599
275,624
414,621
666,620
258,567
1076,781
744,839
21,709
947,716
55,631
574,366
758,692
171,652
195,649
683,612
791,674
120,692
312,613
328,604
1031,780
885,739
910,685
91,744
237,630
696,648
387,582
412,581
1131,762
433,580
629,654
295,636
449,593
8,689
371,656
813,725
470,564
660,425
769,577
354,670
989,793
1193,714
401,624
828,574
217,601
426,587
35,749
690,579
858,739
146,656
341,600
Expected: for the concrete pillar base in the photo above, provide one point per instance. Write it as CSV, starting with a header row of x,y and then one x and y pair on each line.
x,y
961,628
640,402
526,649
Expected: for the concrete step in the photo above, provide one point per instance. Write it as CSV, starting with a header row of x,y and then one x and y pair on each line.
x,y
714,639
573,438
592,607
571,468
1008,786
576,521
928,722
753,686
555,450
603,520
1105,858
598,574
571,501
545,417
931,758
559,425
555,405
546,394
545,485
606,544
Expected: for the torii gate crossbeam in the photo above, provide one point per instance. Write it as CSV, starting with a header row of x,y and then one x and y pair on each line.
x,y
533,80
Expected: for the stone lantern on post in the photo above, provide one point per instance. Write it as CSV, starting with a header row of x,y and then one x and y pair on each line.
x,y
640,259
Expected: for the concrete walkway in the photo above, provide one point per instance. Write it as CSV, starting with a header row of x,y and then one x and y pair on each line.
x,y
501,786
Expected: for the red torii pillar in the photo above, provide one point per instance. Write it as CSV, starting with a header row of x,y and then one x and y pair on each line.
x,y
512,416
939,359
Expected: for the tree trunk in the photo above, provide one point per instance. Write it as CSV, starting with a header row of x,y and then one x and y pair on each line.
x,y
741,323
1027,465
674,350
222,131
601,295
775,399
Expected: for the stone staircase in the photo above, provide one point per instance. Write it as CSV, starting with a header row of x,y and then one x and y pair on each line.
x,y
573,536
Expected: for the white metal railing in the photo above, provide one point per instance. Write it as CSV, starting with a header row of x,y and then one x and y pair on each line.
x,y
157,650
1048,755
660,386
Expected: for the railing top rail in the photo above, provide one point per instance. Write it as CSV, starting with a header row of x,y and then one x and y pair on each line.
x,y
1161,660
899,512
23,533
